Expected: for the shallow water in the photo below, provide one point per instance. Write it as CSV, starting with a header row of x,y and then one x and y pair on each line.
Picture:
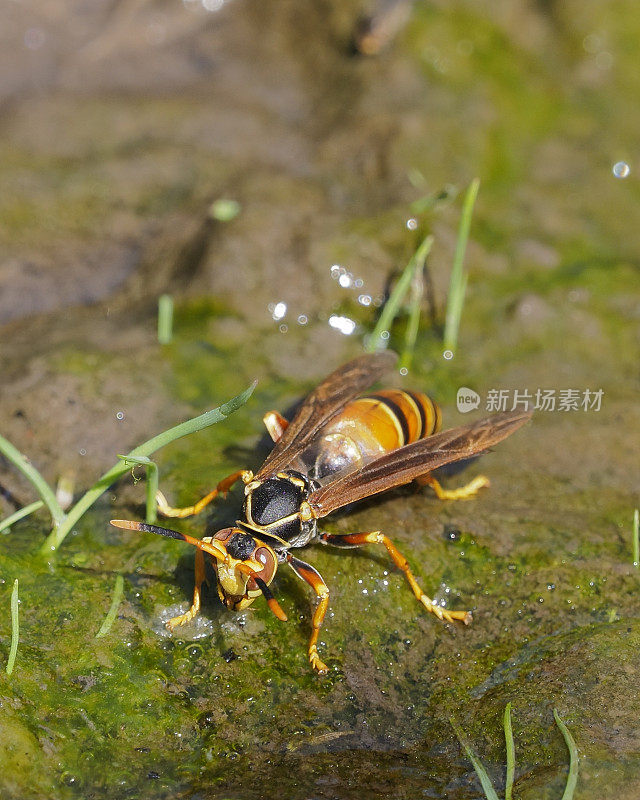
x,y
120,126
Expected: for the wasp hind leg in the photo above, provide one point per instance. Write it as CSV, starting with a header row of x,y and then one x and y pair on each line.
x,y
468,490
200,577
315,581
275,424
376,537
189,511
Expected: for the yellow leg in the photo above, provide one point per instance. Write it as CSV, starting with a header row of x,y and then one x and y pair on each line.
x,y
189,511
275,424
468,490
315,580
376,537
182,619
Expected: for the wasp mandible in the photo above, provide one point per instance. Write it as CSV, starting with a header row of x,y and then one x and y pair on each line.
x,y
338,449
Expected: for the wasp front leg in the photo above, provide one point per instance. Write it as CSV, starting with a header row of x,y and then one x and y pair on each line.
x,y
189,511
376,537
200,577
468,490
314,579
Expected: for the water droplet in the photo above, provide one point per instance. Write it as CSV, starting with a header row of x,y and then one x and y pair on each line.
x,y
120,415
336,269
364,299
621,169
448,355
384,335
404,371
345,280
412,224
302,319
345,325
278,311
82,451
283,328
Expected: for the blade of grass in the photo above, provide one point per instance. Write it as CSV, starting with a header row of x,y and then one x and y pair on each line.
x,y
511,753
392,306
413,323
458,282
572,778
15,628
636,538
22,463
165,318
152,484
58,535
481,772
7,522
113,608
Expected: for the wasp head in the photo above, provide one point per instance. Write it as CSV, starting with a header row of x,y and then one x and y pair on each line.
x,y
245,571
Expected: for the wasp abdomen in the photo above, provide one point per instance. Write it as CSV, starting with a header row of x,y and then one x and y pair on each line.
x,y
371,426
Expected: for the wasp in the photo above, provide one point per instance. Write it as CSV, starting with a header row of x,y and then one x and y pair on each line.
x,y
339,448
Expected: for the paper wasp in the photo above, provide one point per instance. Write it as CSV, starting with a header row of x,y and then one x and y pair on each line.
x,y
338,449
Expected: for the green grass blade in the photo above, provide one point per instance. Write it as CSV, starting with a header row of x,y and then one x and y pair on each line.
x,y
392,306
7,522
511,752
572,778
58,535
413,323
113,608
481,772
15,628
21,462
636,538
152,484
165,318
458,282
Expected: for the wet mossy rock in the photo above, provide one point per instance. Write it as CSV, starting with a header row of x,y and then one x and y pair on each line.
x,y
122,125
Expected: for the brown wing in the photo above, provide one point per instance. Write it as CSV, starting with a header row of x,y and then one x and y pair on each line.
x,y
324,402
413,460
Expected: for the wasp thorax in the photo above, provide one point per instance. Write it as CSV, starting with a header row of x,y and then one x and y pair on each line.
x,y
274,500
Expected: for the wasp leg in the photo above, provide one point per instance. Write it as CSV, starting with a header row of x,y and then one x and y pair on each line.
x,y
468,490
315,581
275,424
182,619
375,537
189,511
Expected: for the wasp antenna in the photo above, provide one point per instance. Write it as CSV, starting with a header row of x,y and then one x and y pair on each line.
x,y
128,524
271,600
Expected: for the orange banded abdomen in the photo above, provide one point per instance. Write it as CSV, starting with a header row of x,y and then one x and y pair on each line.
x,y
371,426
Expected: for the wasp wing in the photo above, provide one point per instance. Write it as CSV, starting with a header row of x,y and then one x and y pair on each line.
x,y
324,402
413,460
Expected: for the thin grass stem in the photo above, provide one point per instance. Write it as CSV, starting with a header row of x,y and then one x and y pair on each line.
x,y
413,323
390,311
15,628
113,608
7,522
165,319
458,282
481,772
152,481
636,538
22,463
58,535
511,753
572,778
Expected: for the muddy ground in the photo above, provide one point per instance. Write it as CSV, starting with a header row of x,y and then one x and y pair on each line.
x,y
120,125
